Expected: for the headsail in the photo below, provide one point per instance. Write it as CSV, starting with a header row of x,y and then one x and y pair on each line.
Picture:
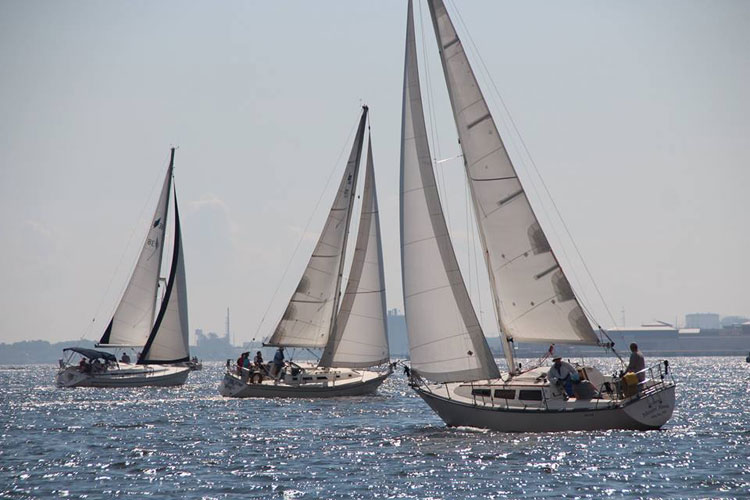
x,y
134,316
446,342
360,337
168,341
533,297
309,316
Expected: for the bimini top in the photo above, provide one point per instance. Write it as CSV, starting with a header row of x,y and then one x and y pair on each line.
x,y
92,353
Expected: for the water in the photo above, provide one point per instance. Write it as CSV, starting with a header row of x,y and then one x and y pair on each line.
x,y
189,442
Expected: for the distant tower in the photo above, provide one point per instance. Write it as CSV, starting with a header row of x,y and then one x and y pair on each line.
x,y
229,335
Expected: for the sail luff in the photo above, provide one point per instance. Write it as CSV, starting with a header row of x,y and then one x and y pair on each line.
x,y
310,314
446,342
533,299
133,318
170,176
360,337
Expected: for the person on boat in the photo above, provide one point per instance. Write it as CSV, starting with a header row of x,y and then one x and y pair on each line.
x,y
246,360
124,358
83,366
564,374
278,362
637,363
241,362
258,360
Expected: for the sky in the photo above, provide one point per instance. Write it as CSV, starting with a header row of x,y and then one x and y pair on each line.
x,y
635,114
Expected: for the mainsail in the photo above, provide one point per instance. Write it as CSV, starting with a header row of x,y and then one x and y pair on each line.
x,y
308,319
168,341
360,337
533,298
446,342
134,316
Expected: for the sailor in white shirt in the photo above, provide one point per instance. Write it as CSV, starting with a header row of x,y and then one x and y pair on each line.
x,y
564,374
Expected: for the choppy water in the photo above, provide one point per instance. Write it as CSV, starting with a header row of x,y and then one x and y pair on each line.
x,y
189,442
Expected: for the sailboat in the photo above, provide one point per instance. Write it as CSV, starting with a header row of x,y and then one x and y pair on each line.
x,y
159,334
452,367
350,329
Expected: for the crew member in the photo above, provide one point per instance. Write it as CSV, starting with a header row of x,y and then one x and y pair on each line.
x,y
564,374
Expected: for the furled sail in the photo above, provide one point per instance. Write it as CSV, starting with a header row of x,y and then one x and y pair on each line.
x,y
309,316
446,342
168,341
360,336
134,316
534,299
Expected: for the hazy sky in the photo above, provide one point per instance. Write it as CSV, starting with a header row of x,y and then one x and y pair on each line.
x,y
637,115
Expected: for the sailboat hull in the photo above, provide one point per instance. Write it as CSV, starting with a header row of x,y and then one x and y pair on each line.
x,y
646,413
129,376
366,383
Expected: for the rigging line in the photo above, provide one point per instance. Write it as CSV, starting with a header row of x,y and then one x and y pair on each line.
x,y
538,173
441,185
477,247
304,231
136,225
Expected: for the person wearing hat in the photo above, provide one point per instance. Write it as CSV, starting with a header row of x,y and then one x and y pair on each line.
x,y
278,362
564,374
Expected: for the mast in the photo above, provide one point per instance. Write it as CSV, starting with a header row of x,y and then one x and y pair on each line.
x,y
229,339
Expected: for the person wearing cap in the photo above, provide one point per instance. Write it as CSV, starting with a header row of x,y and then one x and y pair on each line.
x,y
637,363
563,374
278,362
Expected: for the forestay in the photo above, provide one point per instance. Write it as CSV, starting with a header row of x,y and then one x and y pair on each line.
x,y
534,299
446,342
308,318
360,337
134,316
168,341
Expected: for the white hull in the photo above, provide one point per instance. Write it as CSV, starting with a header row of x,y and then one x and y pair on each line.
x,y
124,376
458,404
647,413
359,383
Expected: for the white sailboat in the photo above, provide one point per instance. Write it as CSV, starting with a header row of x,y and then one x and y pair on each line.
x,y
351,330
161,335
452,367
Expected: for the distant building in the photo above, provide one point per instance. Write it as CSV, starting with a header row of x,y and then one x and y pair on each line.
x,y
730,321
212,347
658,331
397,341
704,321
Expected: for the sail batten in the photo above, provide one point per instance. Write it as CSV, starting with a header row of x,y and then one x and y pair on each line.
x,y
309,317
446,342
533,298
360,337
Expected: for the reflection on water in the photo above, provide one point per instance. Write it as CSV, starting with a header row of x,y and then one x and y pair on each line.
x,y
189,442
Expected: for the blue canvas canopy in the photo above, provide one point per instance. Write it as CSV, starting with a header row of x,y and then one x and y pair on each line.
x,y
92,353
